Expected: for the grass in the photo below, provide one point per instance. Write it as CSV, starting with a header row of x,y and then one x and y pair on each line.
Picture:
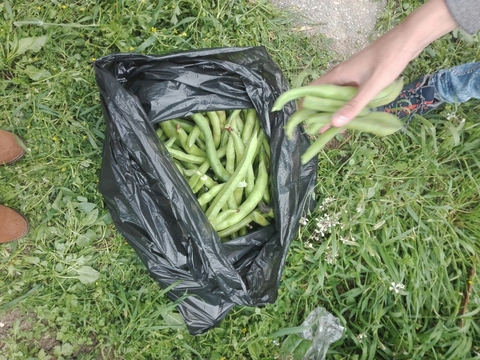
x,y
405,208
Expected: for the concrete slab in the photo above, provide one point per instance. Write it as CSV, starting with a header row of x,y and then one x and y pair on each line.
x,y
349,23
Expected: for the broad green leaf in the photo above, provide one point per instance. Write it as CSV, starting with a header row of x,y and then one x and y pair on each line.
x,y
174,19
66,349
86,207
87,275
255,350
150,41
371,192
401,165
173,319
288,331
8,9
91,218
105,219
59,267
86,239
32,259
31,43
42,355
455,135
36,74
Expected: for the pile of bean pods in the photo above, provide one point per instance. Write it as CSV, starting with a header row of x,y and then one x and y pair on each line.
x,y
321,101
225,157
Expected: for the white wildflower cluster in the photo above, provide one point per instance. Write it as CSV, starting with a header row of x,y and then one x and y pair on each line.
x,y
308,245
330,256
326,222
453,116
359,208
396,288
324,225
360,337
326,202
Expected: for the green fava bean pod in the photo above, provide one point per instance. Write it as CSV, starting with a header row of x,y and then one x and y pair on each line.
x,y
252,200
211,151
216,127
378,123
297,118
238,226
251,118
205,198
320,143
234,180
327,91
193,136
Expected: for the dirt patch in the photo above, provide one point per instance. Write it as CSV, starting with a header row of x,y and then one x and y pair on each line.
x,y
47,342
8,320
349,24
24,323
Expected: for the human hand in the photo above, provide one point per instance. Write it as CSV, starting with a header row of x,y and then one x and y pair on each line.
x,y
380,63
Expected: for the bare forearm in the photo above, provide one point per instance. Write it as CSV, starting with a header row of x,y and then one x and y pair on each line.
x,y
407,40
425,25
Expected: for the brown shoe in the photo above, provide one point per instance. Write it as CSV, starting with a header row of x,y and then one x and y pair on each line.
x,y
10,149
13,226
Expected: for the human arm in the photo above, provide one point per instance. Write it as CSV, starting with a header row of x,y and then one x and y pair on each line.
x,y
380,63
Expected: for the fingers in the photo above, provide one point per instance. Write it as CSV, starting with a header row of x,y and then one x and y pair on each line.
x,y
340,75
325,128
349,111
353,107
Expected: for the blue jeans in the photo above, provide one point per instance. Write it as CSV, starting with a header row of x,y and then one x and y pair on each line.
x,y
458,84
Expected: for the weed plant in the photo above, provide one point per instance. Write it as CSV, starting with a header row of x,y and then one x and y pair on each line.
x,y
391,249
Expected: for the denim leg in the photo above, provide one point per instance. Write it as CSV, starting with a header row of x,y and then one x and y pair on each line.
x,y
459,83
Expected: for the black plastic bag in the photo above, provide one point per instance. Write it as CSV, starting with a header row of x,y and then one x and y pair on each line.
x,y
151,203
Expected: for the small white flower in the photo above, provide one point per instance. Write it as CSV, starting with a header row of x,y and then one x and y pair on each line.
x,y
275,342
2,325
325,224
330,256
360,337
347,240
326,202
303,221
396,287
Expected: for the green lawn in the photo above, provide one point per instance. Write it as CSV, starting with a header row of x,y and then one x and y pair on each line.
x,y
391,249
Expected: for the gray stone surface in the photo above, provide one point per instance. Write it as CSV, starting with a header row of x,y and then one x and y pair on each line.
x,y
349,23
